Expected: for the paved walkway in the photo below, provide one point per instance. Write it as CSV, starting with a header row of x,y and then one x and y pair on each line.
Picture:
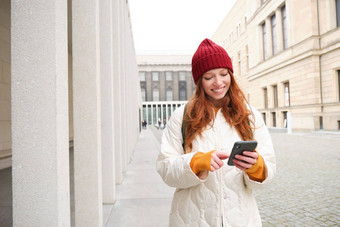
x,y
143,199
305,190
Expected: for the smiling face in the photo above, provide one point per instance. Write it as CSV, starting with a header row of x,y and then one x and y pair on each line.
x,y
216,83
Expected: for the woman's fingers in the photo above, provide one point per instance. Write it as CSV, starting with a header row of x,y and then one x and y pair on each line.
x,y
216,160
248,156
214,165
221,155
245,161
241,164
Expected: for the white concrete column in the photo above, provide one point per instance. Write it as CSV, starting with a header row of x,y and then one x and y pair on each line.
x,y
86,112
116,29
123,84
107,114
40,149
279,31
162,111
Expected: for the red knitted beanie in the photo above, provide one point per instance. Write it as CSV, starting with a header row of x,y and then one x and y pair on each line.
x,y
209,56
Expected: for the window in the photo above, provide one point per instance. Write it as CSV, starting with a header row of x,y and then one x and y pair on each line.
x,y
143,94
247,58
285,123
337,3
238,30
182,94
245,22
169,94
274,119
264,41
181,76
155,76
265,96
225,42
155,94
275,96
338,85
142,76
168,76
239,62
338,125
286,95
143,90
149,114
264,117
274,42
182,91
284,27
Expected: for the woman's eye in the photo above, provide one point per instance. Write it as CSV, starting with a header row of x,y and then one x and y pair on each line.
x,y
207,78
225,74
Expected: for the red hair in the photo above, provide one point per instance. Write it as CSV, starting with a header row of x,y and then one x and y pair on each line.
x,y
200,113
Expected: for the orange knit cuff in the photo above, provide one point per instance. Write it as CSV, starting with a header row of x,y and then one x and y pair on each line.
x,y
201,161
257,171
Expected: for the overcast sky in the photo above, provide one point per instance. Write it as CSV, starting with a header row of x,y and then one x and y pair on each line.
x,y
175,26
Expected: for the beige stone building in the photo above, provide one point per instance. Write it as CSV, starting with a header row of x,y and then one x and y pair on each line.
x,y
166,83
286,56
70,108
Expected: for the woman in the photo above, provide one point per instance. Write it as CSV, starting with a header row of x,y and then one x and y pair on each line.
x,y
209,193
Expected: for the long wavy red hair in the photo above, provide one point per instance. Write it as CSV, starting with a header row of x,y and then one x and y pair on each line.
x,y
200,113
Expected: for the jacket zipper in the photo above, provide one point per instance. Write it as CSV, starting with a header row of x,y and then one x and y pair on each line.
x,y
221,198
220,175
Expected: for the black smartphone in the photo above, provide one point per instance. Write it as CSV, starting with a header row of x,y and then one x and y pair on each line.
x,y
241,146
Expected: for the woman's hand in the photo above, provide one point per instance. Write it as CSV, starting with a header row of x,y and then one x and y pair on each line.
x,y
245,161
216,160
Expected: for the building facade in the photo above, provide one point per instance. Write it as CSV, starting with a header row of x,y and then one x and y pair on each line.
x,y
286,56
70,107
166,83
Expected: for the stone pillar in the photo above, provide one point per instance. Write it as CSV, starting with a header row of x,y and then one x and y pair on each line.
x,y
123,83
117,89
279,31
40,149
86,112
107,117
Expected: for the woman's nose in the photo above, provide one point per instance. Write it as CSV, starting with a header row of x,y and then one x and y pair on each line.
x,y
218,80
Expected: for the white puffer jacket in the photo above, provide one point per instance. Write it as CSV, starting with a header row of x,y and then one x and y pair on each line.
x,y
226,194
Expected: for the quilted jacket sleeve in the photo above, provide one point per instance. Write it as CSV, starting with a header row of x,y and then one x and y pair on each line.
x,y
265,149
172,164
